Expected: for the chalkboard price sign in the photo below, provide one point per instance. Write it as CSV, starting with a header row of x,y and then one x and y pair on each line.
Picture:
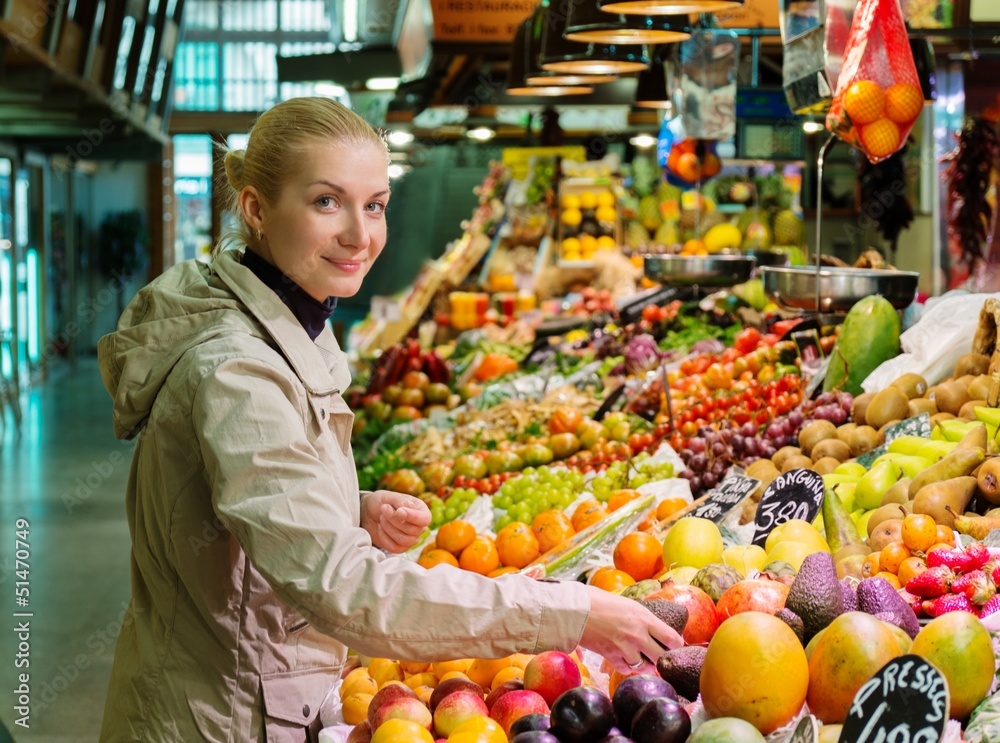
x,y
724,498
907,700
807,731
796,494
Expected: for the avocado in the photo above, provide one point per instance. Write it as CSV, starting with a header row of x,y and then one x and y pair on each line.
x,y
877,596
794,621
681,668
849,596
815,593
668,612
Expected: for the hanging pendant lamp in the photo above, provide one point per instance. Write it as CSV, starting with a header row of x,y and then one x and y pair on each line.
x,y
587,23
651,90
520,58
535,75
667,7
558,54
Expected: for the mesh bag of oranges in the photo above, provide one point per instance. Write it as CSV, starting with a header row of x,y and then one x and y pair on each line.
x,y
878,96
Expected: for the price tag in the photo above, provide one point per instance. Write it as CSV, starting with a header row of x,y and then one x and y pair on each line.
x,y
724,498
906,700
807,731
918,425
797,494
386,308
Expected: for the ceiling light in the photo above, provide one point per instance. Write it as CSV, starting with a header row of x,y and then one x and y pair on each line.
x,y
651,87
481,133
399,137
523,59
349,28
330,90
558,54
396,170
812,127
586,23
666,7
643,140
382,83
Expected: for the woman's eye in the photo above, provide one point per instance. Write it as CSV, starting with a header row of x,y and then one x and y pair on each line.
x,y
325,202
376,207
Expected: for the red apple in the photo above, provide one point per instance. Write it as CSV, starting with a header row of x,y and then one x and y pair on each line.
x,y
516,704
403,708
384,696
501,689
550,673
455,709
360,733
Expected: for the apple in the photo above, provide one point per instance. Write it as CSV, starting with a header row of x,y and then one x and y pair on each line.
x,y
403,481
391,393
436,475
403,708
470,465
516,704
536,455
514,684
550,673
455,709
437,393
360,733
590,432
450,686
411,396
503,461
386,695
564,445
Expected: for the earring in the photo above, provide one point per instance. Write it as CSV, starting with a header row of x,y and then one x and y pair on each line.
x,y
260,235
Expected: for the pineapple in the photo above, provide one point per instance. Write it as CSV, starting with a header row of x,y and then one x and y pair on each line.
x,y
649,212
787,228
636,236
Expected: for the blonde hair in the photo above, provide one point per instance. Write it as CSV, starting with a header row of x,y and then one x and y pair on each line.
x,y
277,139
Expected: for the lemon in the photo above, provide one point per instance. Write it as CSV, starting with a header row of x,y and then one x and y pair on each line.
x,y
606,242
570,201
588,244
605,198
694,542
571,245
571,217
722,236
588,200
606,214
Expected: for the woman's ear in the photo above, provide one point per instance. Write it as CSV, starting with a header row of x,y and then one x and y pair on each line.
x,y
251,207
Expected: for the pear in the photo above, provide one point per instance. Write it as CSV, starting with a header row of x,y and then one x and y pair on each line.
x,y
839,528
976,437
850,468
918,446
942,499
957,464
911,466
870,488
898,493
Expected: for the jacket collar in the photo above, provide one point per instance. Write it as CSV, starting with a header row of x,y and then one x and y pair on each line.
x,y
320,364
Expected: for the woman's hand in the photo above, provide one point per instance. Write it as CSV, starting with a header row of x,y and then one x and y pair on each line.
x,y
394,520
625,632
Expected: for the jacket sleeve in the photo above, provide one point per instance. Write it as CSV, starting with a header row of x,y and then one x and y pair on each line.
x,y
283,504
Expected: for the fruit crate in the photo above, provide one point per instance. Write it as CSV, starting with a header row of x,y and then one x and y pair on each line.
x,y
589,214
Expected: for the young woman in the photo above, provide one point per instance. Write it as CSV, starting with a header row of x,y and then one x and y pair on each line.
x,y
255,559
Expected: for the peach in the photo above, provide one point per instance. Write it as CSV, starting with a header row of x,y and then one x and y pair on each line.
x,y
455,709
515,704
384,696
503,688
550,673
402,708
450,686
360,733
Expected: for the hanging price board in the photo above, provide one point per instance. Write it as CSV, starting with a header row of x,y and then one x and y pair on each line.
x,y
906,700
724,498
797,494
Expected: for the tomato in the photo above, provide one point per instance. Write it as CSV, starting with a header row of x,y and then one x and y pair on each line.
x,y
747,340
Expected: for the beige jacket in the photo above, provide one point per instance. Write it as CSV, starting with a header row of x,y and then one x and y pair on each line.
x,y
250,573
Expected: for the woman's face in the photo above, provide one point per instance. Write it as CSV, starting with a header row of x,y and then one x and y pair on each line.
x,y
328,225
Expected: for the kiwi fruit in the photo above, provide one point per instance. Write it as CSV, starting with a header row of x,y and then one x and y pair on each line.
x,y
864,438
968,410
844,431
831,448
920,405
938,417
950,397
910,384
783,453
888,404
972,363
881,431
979,388
825,465
814,432
859,407
796,461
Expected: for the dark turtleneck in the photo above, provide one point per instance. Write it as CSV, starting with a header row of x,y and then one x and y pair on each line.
x,y
312,314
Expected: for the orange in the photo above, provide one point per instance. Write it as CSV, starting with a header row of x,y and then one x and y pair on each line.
x,y
517,545
892,555
693,247
441,667
480,556
437,557
863,101
669,506
880,138
620,497
483,670
639,554
355,708
587,513
903,102
397,730
688,167
919,531
551,528
611,579
455,536
755,669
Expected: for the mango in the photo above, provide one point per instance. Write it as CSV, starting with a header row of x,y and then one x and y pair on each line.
x,y
958,645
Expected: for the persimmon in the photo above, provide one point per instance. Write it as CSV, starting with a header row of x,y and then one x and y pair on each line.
x,y
551,528
517,545
480,556
437,557
455,536
611,579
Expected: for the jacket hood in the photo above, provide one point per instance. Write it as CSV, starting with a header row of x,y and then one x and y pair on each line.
x,y
185,306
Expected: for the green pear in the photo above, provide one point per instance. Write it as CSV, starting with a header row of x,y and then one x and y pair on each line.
x,y
910,465
831,479
846,492
918,446
870,488
850,467
838,526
